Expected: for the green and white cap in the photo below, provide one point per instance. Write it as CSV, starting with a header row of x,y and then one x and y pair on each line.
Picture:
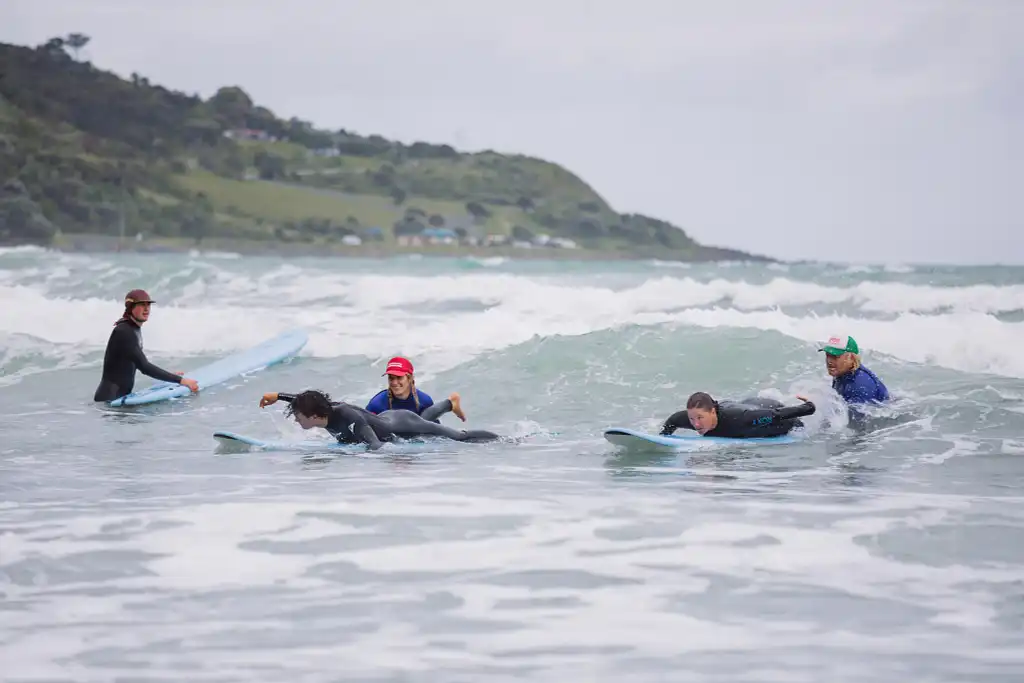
x,y
837,346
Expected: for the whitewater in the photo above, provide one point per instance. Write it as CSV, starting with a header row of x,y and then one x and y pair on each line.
x,y
132,549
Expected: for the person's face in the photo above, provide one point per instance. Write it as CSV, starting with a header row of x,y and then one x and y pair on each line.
x,y
702,420
307,422
838,365
141,312
400,385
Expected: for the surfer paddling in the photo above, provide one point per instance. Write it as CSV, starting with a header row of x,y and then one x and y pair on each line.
x,y
746,419
352,424
124,353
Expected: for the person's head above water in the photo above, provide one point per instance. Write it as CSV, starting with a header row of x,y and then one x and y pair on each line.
x,y
311,409
401,382
136,305
702,411
842,355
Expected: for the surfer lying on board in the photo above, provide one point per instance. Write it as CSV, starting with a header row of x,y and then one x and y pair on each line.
x,y
746,419
403,394
124,353
352,424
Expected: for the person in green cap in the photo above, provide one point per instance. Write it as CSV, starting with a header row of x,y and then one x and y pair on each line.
x,y
851,380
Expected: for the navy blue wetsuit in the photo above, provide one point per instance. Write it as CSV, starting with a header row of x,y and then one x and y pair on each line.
x,y
379,403
860,386
750,418
427,409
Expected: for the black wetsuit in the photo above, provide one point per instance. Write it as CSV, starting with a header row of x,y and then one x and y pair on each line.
x,y
746,419
352,424
122,358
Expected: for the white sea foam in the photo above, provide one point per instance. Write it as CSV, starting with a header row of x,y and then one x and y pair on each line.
x,y
206,309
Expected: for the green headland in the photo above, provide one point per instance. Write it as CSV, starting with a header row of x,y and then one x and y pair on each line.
x,y
92,160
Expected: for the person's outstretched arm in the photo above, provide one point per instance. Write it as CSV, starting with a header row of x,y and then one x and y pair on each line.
x,y
368,436
790,412
129,345
272,397
677,420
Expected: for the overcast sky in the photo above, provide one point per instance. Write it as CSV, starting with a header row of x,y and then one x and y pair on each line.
x,y
867,130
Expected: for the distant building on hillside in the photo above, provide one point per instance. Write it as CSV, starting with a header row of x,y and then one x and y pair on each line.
x,y
409,240
249,134
440,236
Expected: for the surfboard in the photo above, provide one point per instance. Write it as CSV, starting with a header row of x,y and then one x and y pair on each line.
x,y
275,350
691,441
233,442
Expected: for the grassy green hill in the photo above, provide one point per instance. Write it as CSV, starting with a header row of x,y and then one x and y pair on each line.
x,y
82,150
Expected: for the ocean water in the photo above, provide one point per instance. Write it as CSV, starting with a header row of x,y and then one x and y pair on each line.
x,y
131,549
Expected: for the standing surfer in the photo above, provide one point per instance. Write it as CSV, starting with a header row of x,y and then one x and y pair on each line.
x,y
124,353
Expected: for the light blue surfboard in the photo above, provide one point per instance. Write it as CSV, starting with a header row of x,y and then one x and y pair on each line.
x,y
276,350
691,441
236,443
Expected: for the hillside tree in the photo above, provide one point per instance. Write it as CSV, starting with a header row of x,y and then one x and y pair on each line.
x,y
76,41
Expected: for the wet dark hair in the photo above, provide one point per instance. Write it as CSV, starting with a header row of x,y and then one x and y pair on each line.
x,y
310,403
701,401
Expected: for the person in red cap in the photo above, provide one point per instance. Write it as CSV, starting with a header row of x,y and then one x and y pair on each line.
x,y
403,394
124,353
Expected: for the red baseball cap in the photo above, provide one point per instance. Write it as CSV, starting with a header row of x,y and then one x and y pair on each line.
x,y
399,366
